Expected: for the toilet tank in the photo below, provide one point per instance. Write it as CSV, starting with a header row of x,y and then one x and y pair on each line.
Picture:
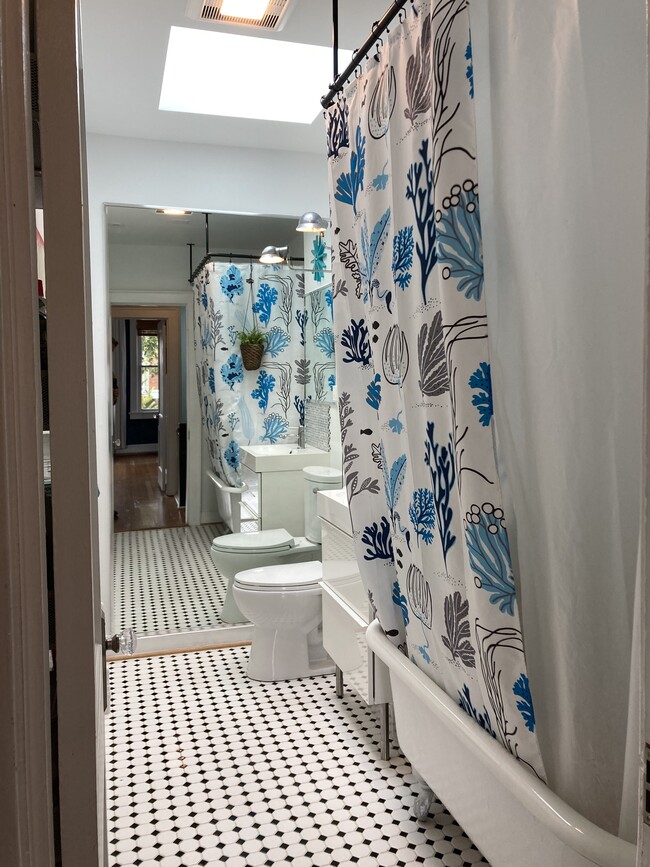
x,y
317,479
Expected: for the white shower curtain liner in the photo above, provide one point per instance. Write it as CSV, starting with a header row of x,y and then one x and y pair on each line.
x,y
561,126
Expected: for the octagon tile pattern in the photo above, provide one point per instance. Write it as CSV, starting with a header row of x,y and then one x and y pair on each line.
x,y
206,768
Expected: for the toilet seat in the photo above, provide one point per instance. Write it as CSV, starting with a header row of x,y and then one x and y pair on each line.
x,y
260,542
285,578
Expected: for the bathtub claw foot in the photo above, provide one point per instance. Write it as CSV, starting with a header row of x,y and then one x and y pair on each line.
x,y
422,804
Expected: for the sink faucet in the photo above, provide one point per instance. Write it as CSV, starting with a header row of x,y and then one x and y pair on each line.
x,y
301,437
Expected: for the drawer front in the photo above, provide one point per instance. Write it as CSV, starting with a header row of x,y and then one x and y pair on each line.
x,y
337,545
344,638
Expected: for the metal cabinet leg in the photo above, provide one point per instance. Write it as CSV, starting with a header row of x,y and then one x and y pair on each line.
x,y
339,682
384,710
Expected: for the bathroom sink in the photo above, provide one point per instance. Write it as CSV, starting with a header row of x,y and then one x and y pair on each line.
x,y
282,457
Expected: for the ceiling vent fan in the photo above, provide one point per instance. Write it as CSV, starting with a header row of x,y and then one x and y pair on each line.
x,y
274,17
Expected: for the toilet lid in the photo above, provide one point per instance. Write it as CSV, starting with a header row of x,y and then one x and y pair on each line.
x,y
287,576
262,542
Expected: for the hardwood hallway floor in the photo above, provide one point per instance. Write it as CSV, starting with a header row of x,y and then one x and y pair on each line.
x,y
139,502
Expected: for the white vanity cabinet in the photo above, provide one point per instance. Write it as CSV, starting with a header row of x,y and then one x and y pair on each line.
x,y
276,485
347,611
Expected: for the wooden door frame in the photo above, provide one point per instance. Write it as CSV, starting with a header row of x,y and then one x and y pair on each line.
x,y
119,429
171,315
79,664
26,821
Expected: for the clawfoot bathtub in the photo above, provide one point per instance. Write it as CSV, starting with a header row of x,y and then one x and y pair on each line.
x,y
511,816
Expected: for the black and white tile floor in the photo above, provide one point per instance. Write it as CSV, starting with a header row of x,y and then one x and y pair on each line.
x,y
206,768
165,581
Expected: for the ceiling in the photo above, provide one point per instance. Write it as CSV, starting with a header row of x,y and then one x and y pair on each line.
x,y
236,233
124,48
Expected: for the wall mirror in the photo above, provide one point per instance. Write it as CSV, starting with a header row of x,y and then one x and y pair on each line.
x,y
191,432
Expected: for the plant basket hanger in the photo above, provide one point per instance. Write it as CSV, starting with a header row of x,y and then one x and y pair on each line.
x,y
251,353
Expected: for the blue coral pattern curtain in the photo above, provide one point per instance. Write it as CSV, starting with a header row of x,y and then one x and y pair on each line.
x,y
240,407
413,371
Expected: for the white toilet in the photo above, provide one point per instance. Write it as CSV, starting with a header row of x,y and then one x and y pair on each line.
x,y
284,605
238,552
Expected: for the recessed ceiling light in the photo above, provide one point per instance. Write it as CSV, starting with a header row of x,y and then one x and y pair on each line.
x,y
244,8
173,212
208,72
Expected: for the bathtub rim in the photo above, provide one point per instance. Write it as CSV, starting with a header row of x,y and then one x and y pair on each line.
x,y
562,820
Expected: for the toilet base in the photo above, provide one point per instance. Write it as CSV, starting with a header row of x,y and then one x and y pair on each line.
x,y
283,654
230,612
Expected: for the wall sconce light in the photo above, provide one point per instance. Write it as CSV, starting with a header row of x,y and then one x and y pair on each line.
x,y
311,222
280,256
274,255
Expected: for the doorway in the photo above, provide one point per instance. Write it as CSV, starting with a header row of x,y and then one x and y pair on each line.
x,y
148,410
149,477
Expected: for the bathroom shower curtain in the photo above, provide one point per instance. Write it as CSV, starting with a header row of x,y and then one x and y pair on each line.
x,y
240,407
561,94
413,371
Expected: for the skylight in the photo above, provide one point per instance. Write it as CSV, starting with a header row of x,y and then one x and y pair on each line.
x,y
207,72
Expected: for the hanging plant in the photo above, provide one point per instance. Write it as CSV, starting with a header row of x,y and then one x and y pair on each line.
x,y
252,342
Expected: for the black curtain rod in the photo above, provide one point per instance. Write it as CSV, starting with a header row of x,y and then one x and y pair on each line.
x,y
379,27
209,256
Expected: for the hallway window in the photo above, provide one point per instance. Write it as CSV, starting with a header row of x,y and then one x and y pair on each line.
x,y
148,358
145,368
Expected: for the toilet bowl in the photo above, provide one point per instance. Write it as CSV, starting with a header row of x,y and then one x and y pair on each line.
x,y
240,552
284,604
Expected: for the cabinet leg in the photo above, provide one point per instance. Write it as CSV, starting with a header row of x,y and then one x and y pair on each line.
x,y
339,682
384,710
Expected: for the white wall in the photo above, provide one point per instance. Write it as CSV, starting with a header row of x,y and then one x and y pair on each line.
x,y
197,177
146,267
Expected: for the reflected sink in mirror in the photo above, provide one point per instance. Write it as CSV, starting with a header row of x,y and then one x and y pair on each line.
x,y
282,457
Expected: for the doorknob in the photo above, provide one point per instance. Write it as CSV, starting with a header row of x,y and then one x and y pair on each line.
x,y
123,642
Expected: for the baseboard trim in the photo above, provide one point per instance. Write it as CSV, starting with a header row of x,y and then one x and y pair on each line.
x,y
189,641
211,518
175,652
142,448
